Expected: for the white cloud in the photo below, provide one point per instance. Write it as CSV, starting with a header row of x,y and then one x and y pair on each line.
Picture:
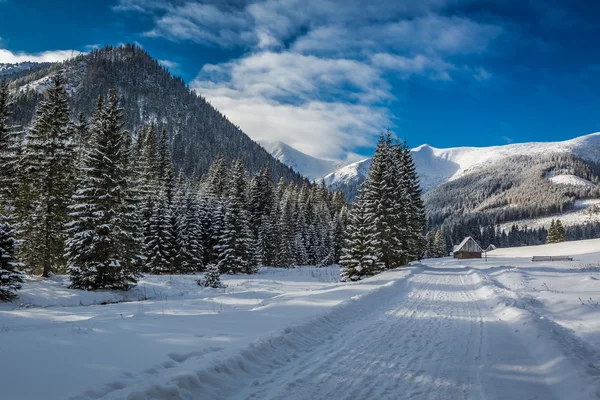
x,y
481,74
143,6
314,72
295,77
202,23
429,34
321,129
323,107
7,56
168,63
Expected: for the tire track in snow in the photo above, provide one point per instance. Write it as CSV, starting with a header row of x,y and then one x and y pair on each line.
x,y
432,335
400,352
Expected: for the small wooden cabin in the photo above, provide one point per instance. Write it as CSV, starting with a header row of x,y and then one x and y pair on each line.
x,y
468,248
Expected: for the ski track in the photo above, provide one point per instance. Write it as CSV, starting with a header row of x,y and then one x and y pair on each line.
x,y
436,333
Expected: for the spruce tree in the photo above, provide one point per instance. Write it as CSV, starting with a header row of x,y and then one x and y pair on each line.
x,y
552,233
47,182
212,277
285,256
188,247
236,246
10,142
97,249
217,179
439,244
159,251
361,255
560,232
10,278
81,133
210,226
429,247
416,219
336,240
381,199
149,186
263,216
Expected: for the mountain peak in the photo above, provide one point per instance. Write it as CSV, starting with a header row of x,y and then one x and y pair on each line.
x,y
312,167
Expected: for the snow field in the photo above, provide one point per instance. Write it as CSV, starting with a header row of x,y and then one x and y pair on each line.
x,y
77,349
444,329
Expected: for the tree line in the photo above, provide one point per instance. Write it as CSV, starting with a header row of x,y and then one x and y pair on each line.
x,y
89,198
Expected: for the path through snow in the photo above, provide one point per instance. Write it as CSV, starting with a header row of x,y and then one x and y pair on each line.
x,y
439,335
436,333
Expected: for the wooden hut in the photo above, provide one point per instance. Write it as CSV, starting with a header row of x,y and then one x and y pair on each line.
x,y
468,248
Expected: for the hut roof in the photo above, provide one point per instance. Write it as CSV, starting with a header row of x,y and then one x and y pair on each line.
x,y
464,243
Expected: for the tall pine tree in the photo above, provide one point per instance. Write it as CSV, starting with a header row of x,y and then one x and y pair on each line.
x,y
236,246
47,182
361,256
99,233
10,278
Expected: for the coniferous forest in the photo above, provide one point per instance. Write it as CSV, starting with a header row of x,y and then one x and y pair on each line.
x,y
87,197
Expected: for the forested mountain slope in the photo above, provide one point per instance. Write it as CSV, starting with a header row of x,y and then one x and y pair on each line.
x,y
198,132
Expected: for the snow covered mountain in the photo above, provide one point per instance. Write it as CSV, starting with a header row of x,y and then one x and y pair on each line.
x,y
311,167
438,166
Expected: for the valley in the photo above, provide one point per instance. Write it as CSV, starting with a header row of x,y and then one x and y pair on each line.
x,y
299,200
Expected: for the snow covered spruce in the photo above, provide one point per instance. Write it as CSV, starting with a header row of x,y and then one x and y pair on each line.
x,y
105,205
10,278
387,222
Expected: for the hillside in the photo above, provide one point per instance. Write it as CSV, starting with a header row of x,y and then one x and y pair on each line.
x,y
147,91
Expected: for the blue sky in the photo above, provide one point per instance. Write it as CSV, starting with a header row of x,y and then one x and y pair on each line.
x,y
327,76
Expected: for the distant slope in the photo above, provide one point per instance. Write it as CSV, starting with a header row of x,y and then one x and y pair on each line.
x,y
438,166
444,165
570,180
349,178
311,167
147,92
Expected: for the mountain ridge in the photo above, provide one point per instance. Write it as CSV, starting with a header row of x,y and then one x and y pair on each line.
x,y
437,166
147,91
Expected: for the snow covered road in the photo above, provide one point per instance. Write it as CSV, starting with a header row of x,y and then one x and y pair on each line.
x,y
444,329
435,336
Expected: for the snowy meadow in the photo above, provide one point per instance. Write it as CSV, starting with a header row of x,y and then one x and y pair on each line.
x,y
171,338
